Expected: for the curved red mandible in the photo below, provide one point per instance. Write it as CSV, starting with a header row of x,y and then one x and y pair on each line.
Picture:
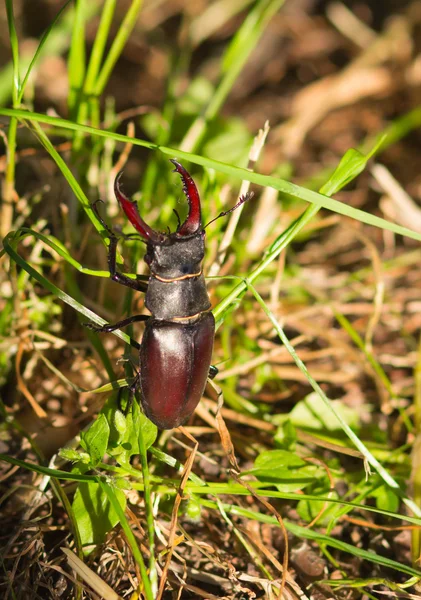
x,y
131,210
193,222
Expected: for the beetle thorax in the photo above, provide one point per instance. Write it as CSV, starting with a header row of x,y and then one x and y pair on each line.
x,y
179,257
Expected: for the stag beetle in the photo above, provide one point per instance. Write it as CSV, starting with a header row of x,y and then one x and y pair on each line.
x,y
176,349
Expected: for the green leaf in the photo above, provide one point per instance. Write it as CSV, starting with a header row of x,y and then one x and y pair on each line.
x,y
276,459
288,480
230,144
385,498
286,436
312,413
95,440
94,513
120,422
310,509
74,455
287,471
352,164
124,441
143,428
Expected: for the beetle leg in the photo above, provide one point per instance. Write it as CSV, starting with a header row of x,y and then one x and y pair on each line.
x,y
132,390
213,372
108,328
140,286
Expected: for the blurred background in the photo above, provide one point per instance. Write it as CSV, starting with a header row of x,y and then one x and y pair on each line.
x,y
326,76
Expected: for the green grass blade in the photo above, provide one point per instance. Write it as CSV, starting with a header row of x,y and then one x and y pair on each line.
x,y
116,49
86,312
147,495
54,244
79,193
291,189
108,387
77,58
300,532
57,43
360,343
15,51
236,56
41,45
47,471
398,129
173,462
6,216
8,191
93,337
99,45
236,490
305,533
203,488
275,249
88,97
320,538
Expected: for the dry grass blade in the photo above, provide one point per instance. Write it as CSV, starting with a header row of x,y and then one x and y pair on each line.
x,y
278,517
174,516
397,205
350,25
122,159
224,434
38,410
258,143
92,579
235,472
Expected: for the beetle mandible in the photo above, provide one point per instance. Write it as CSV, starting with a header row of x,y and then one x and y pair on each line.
x,y
176,348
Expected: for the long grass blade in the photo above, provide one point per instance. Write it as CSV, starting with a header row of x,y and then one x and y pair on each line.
x,y
40,48
286,187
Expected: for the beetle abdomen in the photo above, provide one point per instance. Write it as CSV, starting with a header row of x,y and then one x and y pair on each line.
x,y
174,365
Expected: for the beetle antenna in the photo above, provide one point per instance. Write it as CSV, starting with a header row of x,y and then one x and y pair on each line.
x,y
241,201
130,236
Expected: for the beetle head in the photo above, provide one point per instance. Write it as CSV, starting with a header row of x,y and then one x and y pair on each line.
x,y
175,254
182,256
